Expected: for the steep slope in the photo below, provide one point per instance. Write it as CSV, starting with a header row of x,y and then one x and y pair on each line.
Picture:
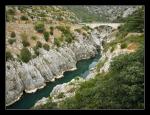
x,y
108,13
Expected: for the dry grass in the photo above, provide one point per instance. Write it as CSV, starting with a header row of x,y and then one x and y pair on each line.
x,y
132,46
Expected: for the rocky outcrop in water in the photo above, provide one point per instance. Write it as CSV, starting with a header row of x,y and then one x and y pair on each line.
x,y
50,65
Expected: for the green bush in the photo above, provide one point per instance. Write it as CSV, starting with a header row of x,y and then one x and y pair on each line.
x,y
25,55
36,51
46,47
13,34
51,30
33,37
46,35
123,45
61,95
112,48
78,30
86,28
25,43
11,12
38,44
66,33
57,42
8,56
39,27
121,88
11,41
84,34
24,17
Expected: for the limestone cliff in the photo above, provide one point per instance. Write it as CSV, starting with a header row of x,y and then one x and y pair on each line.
x,y
50,65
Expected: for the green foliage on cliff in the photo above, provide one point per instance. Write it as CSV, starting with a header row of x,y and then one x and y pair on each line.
x,y
13,34
11,41
134,22
68,36
121,88
39,27
25,55
57,42
46,35
46,47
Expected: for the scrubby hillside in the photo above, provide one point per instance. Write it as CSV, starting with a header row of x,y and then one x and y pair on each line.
x,y
95,13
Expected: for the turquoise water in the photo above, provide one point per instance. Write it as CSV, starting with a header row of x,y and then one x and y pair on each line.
x,y
28,100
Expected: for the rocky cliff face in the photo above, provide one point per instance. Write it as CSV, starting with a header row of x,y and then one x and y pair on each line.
x,y
50,65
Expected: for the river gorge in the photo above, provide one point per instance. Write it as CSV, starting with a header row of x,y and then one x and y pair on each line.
x,y
83,67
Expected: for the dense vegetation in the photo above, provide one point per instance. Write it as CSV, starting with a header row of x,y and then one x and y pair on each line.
x,y
122,87
133,23
66,33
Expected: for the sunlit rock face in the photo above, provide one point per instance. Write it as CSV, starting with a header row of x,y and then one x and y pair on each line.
x,y
50,65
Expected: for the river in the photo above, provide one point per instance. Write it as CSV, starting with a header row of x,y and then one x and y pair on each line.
x,y
28,100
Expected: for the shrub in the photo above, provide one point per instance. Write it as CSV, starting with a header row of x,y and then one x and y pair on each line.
x,y
8,56
46,47
46,35
57,42
86,28
51,30
11,12
66,33
69,38
11,41
38,44
24,36
24,17
84,34
39,27
112,48
13,34
25,55
78,30
25,43
36,51
123,45
61,95
33,37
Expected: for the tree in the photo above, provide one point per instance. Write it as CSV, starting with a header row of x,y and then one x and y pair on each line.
x,y
39,27
46,35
